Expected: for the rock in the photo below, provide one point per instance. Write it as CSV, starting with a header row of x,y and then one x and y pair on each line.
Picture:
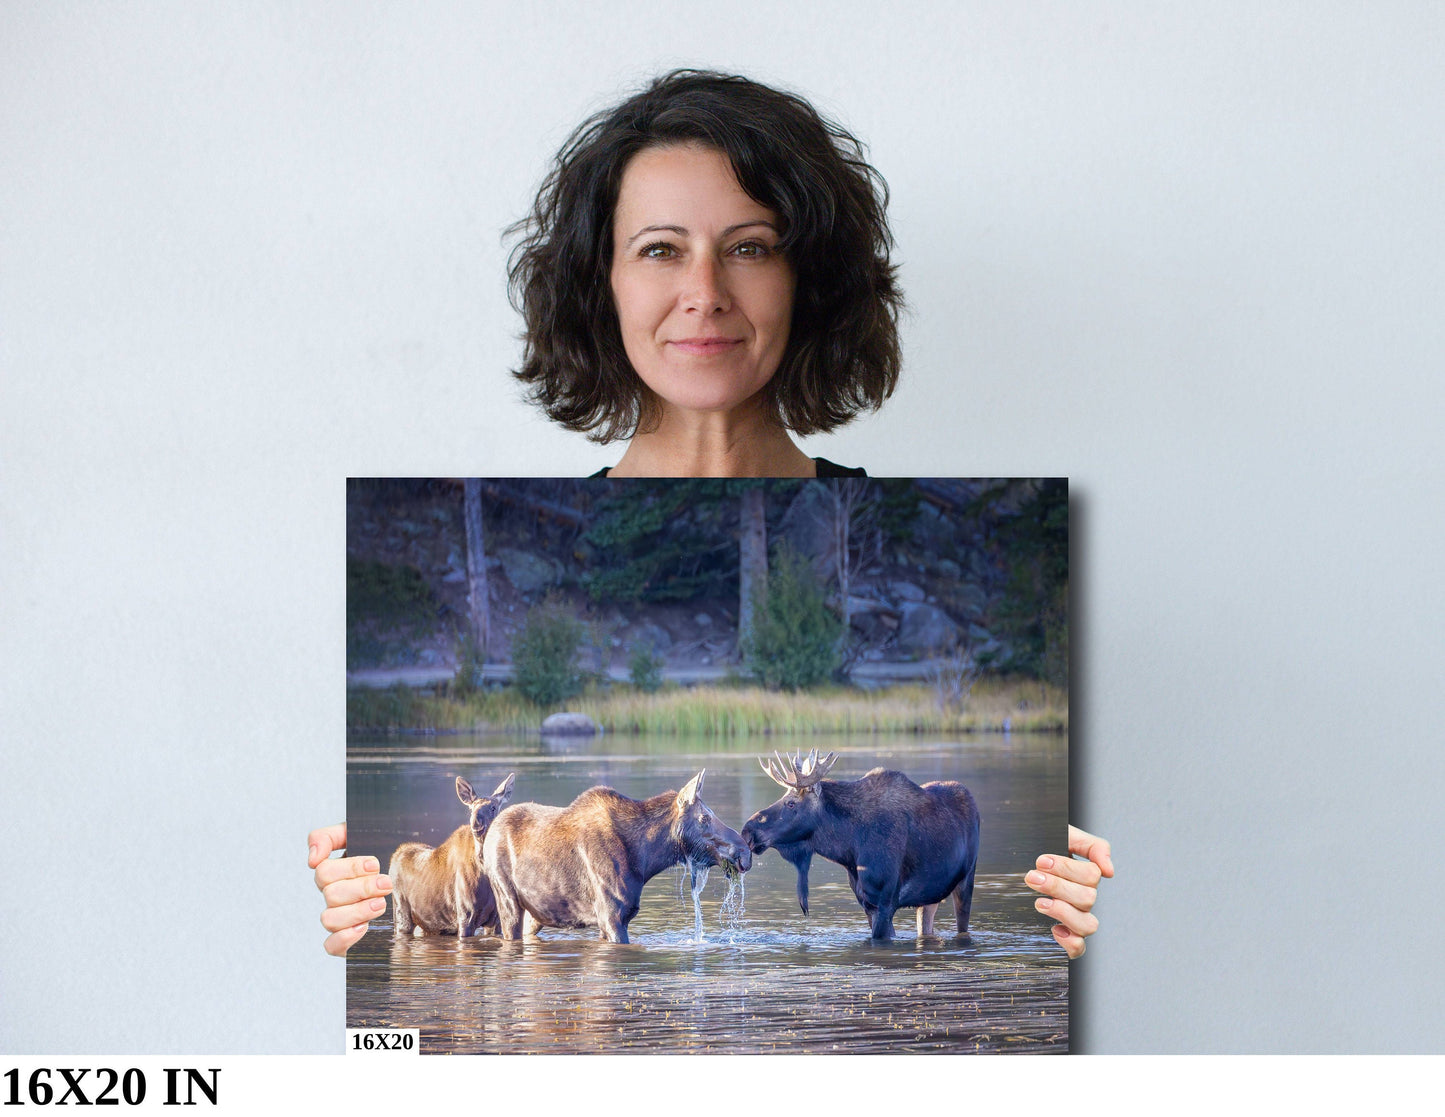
x,y
527,572
570,725
873,626
702,620
905,591
971,598
985,645
454,576
926,629
949,569
808,525
430,657
653,635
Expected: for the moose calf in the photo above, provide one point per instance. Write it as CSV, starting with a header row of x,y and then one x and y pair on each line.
x,y
444,890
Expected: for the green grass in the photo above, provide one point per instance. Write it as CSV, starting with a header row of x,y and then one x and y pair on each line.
x,y
1027,705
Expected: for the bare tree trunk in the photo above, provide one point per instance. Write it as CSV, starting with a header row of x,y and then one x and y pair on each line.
x,y
753,559
476,565
848,496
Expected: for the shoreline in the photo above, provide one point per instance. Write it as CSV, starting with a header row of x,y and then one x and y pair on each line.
x,y
1004,706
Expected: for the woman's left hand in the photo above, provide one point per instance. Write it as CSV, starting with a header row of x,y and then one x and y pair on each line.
x,y
1070,887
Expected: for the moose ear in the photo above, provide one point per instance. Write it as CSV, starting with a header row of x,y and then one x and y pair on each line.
x,y
688,795
504,789
464,791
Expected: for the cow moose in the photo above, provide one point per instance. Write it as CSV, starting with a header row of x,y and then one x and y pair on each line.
x,y
903,845
584,865
444,890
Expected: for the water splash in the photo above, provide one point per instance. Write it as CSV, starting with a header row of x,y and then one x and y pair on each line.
x,y
699,882
730,911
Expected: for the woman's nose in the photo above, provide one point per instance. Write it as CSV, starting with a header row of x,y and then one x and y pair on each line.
x,y
705,286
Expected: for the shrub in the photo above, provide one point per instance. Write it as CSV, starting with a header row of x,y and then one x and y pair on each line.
x,y
545,654
644,668
795,636
390,594
468,678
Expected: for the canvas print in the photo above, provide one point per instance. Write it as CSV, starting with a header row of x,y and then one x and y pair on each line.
x,y
687,765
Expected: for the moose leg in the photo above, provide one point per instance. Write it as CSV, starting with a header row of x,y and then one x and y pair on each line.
x,y
401,914
463,912
963,901
614,929
879,897
509,912
926,912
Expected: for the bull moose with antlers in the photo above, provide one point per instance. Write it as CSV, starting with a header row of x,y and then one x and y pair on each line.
x,y
903,845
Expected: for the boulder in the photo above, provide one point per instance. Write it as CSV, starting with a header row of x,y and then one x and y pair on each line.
x,y
926,629
528,572
807,525
570,725
971,599
652,635
905,591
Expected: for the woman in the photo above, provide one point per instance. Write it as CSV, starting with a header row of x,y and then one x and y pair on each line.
x,y
704,274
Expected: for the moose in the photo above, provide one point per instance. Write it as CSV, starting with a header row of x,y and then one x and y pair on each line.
x,y
444,890
584,865
903,845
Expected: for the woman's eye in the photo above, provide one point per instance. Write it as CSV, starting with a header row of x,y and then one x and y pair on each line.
x,y
751,249
659,250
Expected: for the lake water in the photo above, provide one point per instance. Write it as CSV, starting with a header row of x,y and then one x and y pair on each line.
x,y
766,978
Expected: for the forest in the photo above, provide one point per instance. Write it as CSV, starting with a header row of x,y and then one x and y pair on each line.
x,y
713,605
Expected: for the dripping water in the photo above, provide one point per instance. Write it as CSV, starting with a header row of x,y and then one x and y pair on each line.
x,y
699,882
730,911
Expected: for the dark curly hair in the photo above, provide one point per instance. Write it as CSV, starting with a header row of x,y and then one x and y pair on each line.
x,y
843,353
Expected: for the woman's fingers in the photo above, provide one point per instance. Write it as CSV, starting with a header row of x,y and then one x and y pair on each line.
x,y
1060,887
1073,944
1070,887
342,941
1093,847
353,887
1070,868
340,868
351,890
322,843
1081,923
349,915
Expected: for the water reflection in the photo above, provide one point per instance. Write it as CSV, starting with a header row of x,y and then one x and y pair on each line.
x,y
761,976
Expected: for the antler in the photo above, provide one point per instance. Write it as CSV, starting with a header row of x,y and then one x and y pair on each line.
x,y
798,772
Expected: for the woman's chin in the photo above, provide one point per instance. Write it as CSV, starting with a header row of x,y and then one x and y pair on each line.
x,y
703,400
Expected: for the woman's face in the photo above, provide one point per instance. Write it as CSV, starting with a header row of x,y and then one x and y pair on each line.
x,y
702,294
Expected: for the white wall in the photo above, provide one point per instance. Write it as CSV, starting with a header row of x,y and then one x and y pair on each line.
x,y
1189,257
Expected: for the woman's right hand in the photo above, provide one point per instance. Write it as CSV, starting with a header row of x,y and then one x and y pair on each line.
x,y
354,887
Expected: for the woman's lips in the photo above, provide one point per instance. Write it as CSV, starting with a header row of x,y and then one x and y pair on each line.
x,y
705,346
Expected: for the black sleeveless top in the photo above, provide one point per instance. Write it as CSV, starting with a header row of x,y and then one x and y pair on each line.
x,y
825,469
